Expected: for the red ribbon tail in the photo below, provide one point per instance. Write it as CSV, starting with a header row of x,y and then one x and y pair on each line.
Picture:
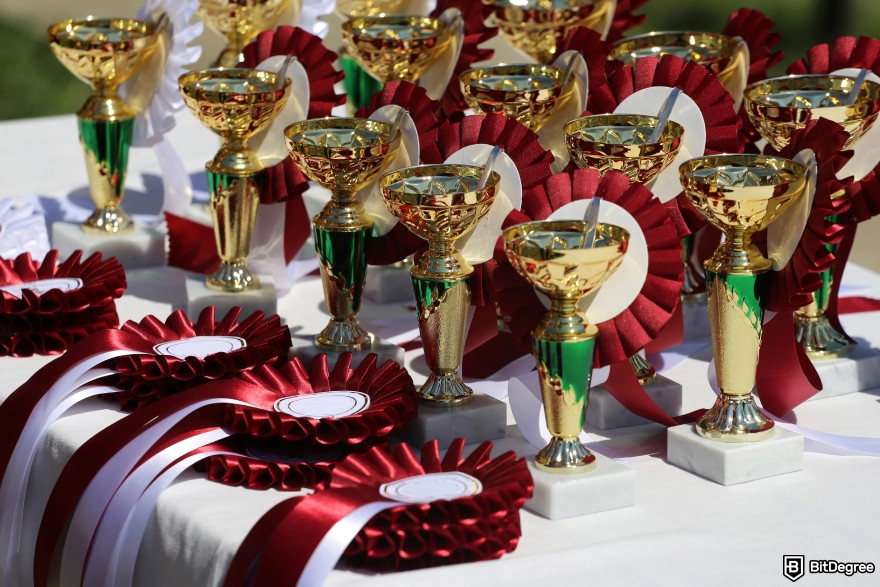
x,y
625,388
786,377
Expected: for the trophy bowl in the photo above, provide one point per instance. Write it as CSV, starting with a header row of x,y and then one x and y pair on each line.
x,y
359,8
552,257
235,104
618,141
239,22
778,106
396,47
527,93
536,26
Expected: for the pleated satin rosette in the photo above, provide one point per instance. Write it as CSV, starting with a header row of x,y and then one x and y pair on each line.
x,y
625,18
49,305
589,44
187,354
478,520
298,447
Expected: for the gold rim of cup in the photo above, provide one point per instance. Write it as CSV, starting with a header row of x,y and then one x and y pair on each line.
x,y
543,15
712,50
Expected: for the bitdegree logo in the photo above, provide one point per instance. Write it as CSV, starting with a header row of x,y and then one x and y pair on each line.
x,y
832,566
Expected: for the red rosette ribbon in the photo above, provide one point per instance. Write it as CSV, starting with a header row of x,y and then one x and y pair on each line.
x,y
481,524
589,44
625,18
146,378
63,303
304,447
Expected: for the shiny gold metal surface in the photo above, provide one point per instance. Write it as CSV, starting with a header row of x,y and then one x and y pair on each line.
x,y
105,53
552,257
618,141
235,104
527,93
721,54
396,47
239,22
342,154
739,194
536,26
812,329
358,8
645,371
778,106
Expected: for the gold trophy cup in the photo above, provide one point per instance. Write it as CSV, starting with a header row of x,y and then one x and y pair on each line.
x,y
341,155
537,26
527,93
235,104
104,52
358,8
776,108
551,255
740,195
440,203
239,22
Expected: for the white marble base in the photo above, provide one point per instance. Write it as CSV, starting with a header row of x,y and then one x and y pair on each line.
x,y
305,350
388,285
604,412
198,297
135,250
857,371
611,485
696,321
729,463
483,418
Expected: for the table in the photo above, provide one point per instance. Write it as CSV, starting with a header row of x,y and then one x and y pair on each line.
x,y
681,528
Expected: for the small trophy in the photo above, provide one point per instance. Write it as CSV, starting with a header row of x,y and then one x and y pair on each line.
x,y
105,52
527,93
537,26
235,104
556,258
440,203
341,155
776,108
739,194
239,22
358,8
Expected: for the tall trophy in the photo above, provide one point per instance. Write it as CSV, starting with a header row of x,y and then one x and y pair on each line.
x,y
341,155
440,203
740,195
105,52
239,22
554,257
527,93
776,108
235,104
537,26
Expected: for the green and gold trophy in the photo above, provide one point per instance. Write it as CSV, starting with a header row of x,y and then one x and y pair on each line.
x,y
776,108
239,22
554,258
235,104
537,26
105,53
440,203
740,195
341,155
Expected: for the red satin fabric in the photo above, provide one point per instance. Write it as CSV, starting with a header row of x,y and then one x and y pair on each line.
x,y
595,52
625,19
786,377
623,385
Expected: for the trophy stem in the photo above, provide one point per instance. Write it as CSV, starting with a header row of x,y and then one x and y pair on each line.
x,y
644,371
235,196
736,313
442,306
737,254
813,330
693,287
231,56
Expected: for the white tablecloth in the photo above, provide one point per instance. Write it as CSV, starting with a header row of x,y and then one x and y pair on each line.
x,y
682,529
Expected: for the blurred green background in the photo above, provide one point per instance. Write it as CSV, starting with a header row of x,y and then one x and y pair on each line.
x,y
43,87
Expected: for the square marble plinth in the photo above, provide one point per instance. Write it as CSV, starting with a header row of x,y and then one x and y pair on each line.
x,y
604,412
134,250
390,284
304,348
611,485
696,321
729,463
483,418
857,371
198,297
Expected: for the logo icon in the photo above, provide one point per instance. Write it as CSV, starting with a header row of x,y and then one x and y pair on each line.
x,y
793,566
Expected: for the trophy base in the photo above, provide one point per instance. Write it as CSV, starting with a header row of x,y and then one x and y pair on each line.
x,y
306,350
389,284
819,339
696,320
199,296
108,221
606,413
445,390
859,370
232,278
565,457
340,336
728,463
136,249
735,418
482,418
